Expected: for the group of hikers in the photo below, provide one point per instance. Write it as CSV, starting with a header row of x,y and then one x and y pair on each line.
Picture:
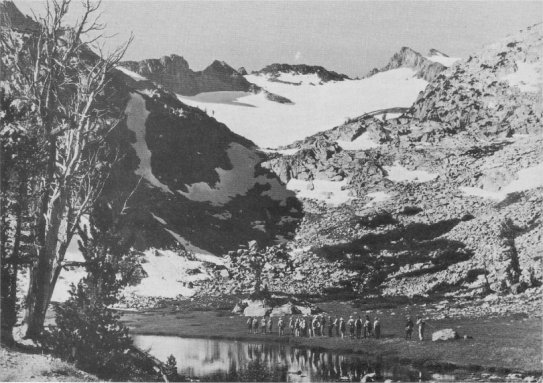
x,y
321,325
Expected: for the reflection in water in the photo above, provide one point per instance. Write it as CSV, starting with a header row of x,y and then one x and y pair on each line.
x,y
223,360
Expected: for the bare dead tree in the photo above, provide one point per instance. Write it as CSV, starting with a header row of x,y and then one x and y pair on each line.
x,y
66,83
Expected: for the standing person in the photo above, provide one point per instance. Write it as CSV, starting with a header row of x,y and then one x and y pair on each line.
x,y
302,327
358,323
249,324
323,325
263,325
336,325
377,328
297,327
330,326
291,325
281,326
421,323
351,324
315,325
408,328
255,325
270,324
367,327
342,328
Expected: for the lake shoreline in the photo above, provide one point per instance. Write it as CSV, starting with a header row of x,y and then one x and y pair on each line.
x,y
495,348
302,342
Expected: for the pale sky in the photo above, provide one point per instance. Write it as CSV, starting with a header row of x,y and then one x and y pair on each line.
x,y
345,36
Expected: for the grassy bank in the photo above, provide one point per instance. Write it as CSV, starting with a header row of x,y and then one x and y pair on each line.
x,y
18,364
506,344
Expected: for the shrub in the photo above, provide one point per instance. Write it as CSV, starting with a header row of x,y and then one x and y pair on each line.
x,y
90,335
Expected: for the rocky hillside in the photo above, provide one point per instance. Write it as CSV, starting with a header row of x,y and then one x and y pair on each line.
x,y
325,75
191,183
409,58
445,198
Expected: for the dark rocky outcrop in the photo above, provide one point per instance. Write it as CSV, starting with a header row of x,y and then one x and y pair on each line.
x,y
173,72
324,74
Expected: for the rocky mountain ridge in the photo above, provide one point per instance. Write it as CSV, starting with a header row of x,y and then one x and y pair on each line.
x,y
325,75
409,58
173,73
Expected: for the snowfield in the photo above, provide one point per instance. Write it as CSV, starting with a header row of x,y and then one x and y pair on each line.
x,y
237,181
316,107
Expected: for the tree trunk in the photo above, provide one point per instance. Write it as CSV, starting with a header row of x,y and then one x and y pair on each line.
x,y
42,281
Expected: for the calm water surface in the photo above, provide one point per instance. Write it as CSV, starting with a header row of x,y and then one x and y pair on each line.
x,y
225,360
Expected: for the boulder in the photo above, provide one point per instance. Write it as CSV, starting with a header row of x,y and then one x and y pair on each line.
x,y
257,309
445,334
239,308
308,310
286,309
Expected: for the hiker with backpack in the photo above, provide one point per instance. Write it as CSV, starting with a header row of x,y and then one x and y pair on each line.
x,y
255,325
408,328
422,324
358,324
281,326
263,325
330,327
270,324
377,328
351,324
367,327
342,328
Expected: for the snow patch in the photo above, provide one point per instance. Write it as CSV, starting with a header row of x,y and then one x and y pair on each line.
x,y
131,74
168,275
137,114
379,196
332,192
528,178
237,181
443,60
478,192
528,77
160,220
362,142
186,244
398,173
316,108
283,152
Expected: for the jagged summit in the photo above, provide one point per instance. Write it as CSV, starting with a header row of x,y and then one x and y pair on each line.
x,y
174,73
409,58
302,69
